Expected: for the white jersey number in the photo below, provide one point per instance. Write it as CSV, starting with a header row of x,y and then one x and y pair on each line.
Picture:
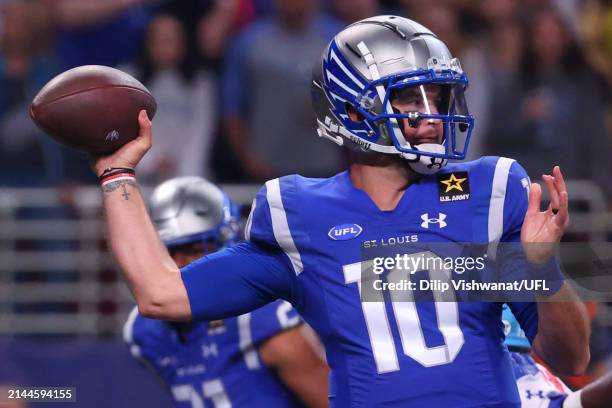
x,y
212,390
407,320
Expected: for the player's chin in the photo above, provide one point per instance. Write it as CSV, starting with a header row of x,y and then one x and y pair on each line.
x,y
424,135
426,138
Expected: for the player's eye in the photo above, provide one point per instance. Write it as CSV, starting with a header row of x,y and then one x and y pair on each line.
x,y
437,101
408,101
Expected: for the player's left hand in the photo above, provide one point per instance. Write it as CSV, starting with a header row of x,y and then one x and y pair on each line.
x,y
542,230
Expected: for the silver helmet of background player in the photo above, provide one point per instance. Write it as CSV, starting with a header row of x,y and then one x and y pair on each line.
x,y
365,65
186,210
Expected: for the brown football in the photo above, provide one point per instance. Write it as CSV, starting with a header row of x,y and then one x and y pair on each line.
x,y
92,108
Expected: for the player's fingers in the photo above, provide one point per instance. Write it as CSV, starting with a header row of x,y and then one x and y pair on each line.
x,y
552,192
559,180
144,129
535,197
144,122
562,216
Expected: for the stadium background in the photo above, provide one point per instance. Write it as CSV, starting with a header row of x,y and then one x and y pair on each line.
x,y
541,81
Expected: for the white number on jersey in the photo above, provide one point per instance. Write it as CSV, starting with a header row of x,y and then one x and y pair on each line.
x,y
212,390
407,320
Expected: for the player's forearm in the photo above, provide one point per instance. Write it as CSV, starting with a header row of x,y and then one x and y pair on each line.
x,y
298,366
563,332
142,257
310,385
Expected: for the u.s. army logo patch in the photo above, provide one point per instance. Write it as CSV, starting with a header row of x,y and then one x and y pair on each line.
x,y
454,186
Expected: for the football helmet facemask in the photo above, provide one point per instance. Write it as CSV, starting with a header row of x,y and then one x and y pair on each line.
x,y
370,62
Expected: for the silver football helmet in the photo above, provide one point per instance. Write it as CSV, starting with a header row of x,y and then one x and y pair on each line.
x,y
366,66
185,210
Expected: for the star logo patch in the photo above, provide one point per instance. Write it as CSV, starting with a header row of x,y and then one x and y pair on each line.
x,y
454,186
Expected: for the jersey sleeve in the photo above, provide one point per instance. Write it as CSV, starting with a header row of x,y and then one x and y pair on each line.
x,y
272,319
142,337
275,224
254,272
515,203
514,265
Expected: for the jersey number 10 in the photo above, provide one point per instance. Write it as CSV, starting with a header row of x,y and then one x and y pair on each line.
x,y
407,320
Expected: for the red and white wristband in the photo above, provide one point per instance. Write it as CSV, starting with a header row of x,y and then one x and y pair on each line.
x,y
113,174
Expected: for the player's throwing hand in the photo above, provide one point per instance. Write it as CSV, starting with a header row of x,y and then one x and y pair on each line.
x,y
130,154
542,230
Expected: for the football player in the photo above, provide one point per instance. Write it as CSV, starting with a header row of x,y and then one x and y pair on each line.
x,y
258,359
388,90
538,387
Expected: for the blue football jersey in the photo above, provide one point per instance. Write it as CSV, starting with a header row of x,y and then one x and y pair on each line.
x,y
305,244
537,387
214,364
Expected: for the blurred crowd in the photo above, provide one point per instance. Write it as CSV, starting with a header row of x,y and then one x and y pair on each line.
x,y
231,78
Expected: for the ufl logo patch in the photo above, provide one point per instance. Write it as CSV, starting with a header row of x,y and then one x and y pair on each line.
x,y
344,232
454,186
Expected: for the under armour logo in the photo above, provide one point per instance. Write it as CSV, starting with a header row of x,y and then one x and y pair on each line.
x,y
210,350
535,394
112,136
427,220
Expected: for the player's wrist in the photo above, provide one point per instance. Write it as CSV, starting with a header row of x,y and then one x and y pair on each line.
x,y
112,174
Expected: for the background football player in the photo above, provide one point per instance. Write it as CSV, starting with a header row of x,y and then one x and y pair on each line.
x,y
390,91
261,358
538,387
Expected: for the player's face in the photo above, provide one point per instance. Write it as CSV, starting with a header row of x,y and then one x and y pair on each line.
x,y
183,255
423,99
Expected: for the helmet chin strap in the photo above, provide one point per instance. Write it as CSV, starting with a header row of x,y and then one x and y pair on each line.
x,y
425,164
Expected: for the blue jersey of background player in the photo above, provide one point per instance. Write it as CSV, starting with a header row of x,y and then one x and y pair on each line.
x,y
538,387
258,359
389,90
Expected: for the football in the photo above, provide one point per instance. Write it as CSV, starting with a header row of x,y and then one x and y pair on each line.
x,y
92,108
